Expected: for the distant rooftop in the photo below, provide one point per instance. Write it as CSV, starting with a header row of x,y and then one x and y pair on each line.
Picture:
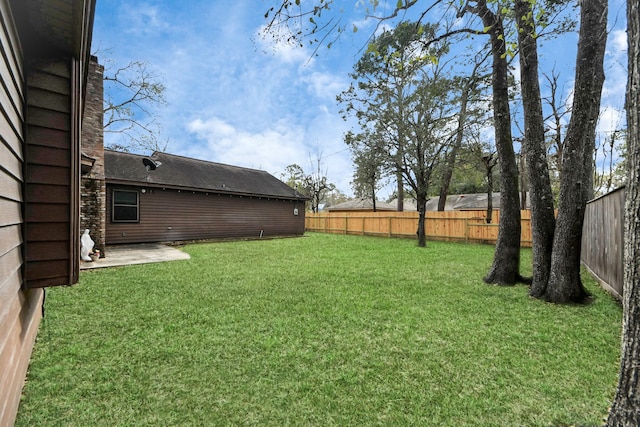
x,y
473,201
192,174
361,205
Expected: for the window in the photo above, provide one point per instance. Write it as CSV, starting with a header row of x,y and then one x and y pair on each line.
x,y
124,206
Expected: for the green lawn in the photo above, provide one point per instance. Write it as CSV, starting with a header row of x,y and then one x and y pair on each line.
x,y
321,330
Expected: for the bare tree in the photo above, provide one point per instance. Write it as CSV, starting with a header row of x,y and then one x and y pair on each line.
x,y
131,93
605,178
314,185
555,122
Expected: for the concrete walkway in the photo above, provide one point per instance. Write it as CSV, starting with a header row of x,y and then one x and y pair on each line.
x,y
135,254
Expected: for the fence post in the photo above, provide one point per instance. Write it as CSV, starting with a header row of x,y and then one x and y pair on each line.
x,y
390,226
346,224
466,230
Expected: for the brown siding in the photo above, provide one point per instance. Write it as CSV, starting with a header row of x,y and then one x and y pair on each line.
x,y
169,215
19,337
39,129
19,309
51,173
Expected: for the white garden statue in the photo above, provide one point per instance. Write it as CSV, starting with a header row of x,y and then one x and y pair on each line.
x,y
86,246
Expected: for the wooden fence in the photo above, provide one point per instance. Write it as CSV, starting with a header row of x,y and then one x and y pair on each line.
x,y
466,226
602,233
603,240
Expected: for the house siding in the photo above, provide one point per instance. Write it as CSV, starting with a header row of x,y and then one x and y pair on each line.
x,y
20,310
172,215
40,102
51,183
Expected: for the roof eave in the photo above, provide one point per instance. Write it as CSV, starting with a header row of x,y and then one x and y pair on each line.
x,y
46,31
201,190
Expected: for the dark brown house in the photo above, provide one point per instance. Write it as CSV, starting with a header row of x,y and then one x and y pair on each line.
x,y
165,197
43,67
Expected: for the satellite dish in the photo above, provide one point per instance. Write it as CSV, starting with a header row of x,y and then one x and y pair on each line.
x,y
149,164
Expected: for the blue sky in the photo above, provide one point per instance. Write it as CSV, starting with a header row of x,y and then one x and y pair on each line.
x,y
237,98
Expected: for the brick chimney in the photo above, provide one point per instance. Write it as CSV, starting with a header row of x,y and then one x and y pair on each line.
x,y
93,186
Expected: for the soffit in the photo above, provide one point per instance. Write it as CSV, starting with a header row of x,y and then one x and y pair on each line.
x,y
50,26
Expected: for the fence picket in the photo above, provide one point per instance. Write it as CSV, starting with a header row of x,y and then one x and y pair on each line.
x,y
603,240
468,226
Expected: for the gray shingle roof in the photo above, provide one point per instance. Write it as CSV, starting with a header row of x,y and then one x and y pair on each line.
x,y
361,204
474,201
192,174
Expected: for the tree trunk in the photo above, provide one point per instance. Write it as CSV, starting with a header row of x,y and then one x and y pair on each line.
x,y
565,284
422,208
400,192
542,215
400,151
625,410
489,217
446,179
506,261
524,186
469,86
451,159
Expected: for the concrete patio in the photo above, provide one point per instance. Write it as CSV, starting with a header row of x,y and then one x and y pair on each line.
x,y
142,253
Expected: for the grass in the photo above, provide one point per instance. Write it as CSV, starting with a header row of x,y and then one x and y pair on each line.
x,y
322,330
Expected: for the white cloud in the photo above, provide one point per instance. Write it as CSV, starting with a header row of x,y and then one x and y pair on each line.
x,y
275,147
142,19
325,86
610,119
613,92
324,136
617,43
363,24
271,149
